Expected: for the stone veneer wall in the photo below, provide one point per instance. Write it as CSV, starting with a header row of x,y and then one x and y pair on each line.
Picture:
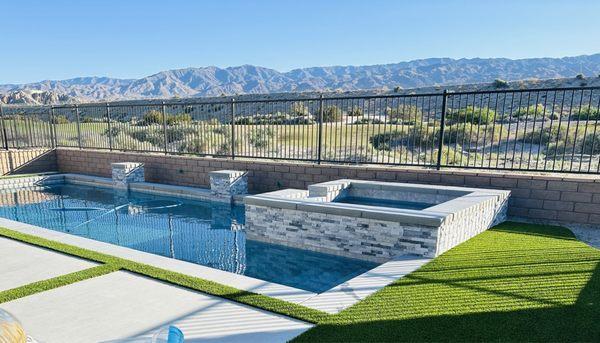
x,y
556,197
27,161
369,239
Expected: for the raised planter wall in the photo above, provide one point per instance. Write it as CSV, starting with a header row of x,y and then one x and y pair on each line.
x,y
557,197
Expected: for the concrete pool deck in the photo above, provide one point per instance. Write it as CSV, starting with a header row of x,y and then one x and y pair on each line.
x,y
20,264
124,307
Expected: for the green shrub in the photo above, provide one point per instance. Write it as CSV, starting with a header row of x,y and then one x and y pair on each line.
x,y
468,133
404,114
355,112
60,119
180,118
363,121
472,115
587,113
260,138
332,114
273,119
415,137
299,109
529,111
152,117
112,132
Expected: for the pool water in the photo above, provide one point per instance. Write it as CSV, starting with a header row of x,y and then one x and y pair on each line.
x,y
408,205
207,233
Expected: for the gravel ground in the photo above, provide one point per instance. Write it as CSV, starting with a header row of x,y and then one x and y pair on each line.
x,y
589,234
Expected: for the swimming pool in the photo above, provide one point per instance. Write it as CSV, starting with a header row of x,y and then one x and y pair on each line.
x,y
202,232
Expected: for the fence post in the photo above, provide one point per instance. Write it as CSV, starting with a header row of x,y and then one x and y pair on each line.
x,y
52,136
442,126
4,134
232,129
78,126
110,133
164,116
320,132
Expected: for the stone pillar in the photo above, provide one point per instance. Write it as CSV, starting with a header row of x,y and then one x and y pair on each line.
x,y
224,184
126,172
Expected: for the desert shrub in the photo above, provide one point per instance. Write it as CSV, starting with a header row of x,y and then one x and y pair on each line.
x,y
574,142
152,117
60,119
355,111
579,77
472,115
273,119
299,109
529,111
122,142
469,133
177,133
112,132
404,114
197,145
261,137
150,135
499,83
224,147
180,118
88,119
331,114
587,113
416,136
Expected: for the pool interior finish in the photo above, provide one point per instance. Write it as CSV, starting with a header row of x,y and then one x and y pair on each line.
x,y
206,233
408,205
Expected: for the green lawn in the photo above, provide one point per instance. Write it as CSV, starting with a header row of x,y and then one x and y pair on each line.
x,y
516,282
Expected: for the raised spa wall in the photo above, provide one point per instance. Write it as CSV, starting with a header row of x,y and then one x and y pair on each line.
x,y
310,220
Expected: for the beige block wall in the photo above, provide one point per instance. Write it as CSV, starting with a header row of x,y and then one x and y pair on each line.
x,y
27,161
556,197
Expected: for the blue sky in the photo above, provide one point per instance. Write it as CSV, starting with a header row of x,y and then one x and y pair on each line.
x,y
129,38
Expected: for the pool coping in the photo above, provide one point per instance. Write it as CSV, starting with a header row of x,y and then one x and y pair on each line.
x,y
321,201
331,301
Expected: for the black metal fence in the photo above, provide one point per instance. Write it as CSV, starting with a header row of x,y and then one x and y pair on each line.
x,y
526,129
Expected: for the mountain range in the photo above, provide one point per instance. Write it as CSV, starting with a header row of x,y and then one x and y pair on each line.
x,y
249,79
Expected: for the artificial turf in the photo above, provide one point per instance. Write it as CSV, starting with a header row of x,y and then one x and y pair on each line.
x,y
516,282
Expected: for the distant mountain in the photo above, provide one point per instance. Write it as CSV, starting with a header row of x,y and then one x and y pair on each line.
x,y
248,79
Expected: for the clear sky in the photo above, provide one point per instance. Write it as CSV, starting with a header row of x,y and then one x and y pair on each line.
x,y
62,39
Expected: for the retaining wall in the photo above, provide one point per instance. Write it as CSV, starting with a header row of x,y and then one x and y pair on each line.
x,y
556,197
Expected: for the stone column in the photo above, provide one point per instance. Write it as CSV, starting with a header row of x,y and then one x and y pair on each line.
x,y
224,184
125,173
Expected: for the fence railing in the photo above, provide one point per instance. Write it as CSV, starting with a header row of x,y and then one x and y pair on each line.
x,y
526,129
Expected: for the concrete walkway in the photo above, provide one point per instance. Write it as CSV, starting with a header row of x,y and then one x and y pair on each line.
x,y
22,264
124,307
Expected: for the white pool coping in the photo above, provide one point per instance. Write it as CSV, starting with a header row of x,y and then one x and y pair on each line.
x,y
331,301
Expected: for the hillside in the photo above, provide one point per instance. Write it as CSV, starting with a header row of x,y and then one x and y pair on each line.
x,y
248,79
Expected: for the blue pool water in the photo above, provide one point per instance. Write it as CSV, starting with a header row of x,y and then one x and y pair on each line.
x,y
408,205
206,233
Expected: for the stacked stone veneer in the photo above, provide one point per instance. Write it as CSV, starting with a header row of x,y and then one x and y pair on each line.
x,y
534,196
224,184
125,173
311,221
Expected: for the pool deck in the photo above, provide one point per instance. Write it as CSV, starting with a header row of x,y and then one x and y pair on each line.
x,y
124,307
